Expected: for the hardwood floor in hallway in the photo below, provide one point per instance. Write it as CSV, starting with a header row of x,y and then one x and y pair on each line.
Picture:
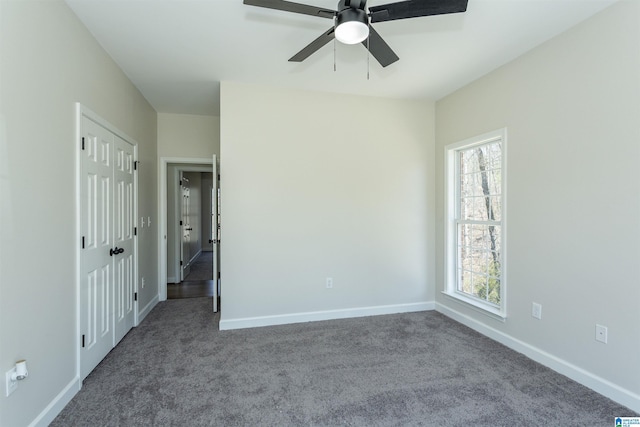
x,y
190,289
198,282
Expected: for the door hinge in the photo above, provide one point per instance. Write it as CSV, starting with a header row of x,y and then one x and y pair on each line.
x,y
135,296
180,262
135,231
83,143
218,275
82,242
135,165
218,177
82,340
180,222
180,182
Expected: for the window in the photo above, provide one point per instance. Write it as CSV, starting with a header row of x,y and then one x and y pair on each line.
x,y
475,234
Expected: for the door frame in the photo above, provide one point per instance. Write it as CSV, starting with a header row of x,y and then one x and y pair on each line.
x,y
163,165
83,111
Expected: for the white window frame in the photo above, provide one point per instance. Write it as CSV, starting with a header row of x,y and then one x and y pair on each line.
x,y
452,197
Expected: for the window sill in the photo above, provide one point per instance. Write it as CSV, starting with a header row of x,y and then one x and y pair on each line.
x,y
492,312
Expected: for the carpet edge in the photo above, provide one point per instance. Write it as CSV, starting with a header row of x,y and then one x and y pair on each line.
x,y
284,319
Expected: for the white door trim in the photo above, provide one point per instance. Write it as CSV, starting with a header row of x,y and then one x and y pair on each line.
x,y
162,214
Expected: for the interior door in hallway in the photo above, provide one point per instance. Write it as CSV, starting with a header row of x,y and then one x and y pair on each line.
x,y
185,224
214,231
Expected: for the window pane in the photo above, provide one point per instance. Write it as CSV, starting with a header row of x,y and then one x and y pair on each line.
x,y
480,202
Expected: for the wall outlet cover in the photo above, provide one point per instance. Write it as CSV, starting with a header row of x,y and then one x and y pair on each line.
x,y
536,310
601,334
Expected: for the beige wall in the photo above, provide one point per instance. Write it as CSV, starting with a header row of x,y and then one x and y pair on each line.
x,y
184,135
323,185
49,61
572,108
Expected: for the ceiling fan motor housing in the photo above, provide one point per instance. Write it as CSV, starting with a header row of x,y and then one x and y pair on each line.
x,y
352,22
354,4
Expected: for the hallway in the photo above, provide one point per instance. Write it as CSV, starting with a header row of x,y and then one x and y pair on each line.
x,y
198,283
201,268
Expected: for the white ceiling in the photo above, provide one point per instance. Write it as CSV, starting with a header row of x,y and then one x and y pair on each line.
x,y
177,51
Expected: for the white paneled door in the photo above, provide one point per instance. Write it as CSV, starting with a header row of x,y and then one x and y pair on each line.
x,y
214,231
123,236
107,258
185,224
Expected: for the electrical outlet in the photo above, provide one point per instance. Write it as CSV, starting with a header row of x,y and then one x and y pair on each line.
x,y
536,310
329,282
142,283
148,221
11,385
141,222
601,334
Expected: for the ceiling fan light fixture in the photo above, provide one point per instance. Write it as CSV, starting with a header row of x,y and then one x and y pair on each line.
x,y
352,26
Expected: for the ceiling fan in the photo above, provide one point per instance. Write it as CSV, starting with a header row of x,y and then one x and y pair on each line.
x,y
352,23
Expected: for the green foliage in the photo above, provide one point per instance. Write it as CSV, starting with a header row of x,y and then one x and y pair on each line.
x,y
489,291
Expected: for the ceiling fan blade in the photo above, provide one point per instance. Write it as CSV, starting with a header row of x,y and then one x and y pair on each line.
x,y
379,48
314,46
415,8
288,6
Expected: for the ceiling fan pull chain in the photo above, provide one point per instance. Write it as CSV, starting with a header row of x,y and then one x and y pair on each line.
x,y
334,55
368,50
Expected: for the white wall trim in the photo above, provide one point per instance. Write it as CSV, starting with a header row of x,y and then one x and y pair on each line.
x,y
284,319
195,257
612,391
147,309
162,214
57,404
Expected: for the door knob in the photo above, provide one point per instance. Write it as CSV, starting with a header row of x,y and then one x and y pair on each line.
x,y
115,251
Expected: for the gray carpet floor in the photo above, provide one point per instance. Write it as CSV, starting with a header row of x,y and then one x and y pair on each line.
x,y
415,369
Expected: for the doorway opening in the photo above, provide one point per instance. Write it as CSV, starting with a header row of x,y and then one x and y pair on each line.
x,y
189,229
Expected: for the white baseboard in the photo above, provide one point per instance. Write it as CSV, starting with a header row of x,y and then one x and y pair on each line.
x,y
283,319
172,280
64,397
600,385
147,309
195,257
57,404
